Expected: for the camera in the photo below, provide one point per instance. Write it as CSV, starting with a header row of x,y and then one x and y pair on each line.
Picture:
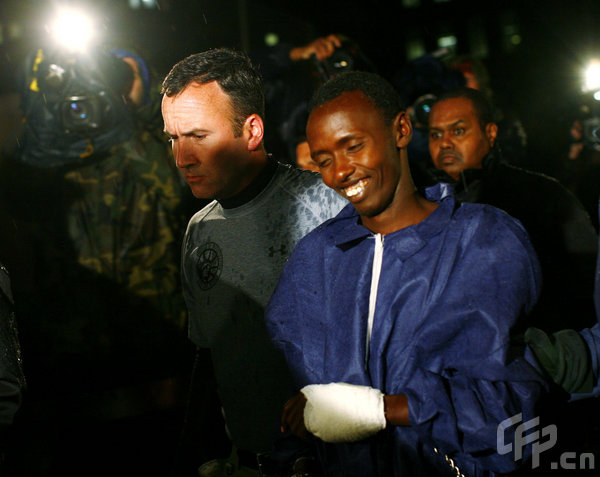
x,y
419,113
74,106
339,61
587,120
86,88
591,131
80,113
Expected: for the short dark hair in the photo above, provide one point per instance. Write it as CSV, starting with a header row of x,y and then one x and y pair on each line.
x,y
483,107
375,88
233,72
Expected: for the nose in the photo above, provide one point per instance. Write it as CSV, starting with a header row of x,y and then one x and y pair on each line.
x,y
183,154
343,169
446,141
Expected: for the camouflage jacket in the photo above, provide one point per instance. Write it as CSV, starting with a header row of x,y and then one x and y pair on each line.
x,y
127,220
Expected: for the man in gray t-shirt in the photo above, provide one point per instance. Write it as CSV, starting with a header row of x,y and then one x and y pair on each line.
x,y
235,247
232,258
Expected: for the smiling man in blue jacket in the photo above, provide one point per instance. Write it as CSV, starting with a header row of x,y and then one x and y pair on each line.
x,y
395,316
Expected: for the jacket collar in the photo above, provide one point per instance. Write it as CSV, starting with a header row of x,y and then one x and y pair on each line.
x,y
345,231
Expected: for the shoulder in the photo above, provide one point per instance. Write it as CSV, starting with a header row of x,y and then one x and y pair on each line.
x,y
533,182
304,183
545,196
481,213
527,174
205,212
495,252
306,190
492,227
476,222
201,218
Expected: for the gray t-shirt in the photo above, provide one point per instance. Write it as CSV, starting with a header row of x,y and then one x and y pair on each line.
x,y
232,259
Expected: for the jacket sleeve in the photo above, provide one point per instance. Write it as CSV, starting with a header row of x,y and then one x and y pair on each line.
x,y
470,375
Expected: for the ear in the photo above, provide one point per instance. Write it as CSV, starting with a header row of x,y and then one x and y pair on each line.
x,y
402,129
491,132
254,129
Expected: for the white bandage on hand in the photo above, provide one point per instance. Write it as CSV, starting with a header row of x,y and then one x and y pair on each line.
x,y
341,412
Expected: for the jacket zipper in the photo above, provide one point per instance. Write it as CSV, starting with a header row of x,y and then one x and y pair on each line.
x,y
376,272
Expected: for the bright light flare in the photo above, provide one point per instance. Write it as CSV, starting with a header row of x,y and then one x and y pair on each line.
x,y
72,29
591,77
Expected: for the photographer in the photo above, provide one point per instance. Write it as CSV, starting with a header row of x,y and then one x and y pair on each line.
x,y
96,179
292,74
582,167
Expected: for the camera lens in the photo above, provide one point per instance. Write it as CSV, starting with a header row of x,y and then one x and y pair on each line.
x,y
79,111
422,107
340,60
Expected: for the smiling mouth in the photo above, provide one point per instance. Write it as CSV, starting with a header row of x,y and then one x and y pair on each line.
x,y
355,190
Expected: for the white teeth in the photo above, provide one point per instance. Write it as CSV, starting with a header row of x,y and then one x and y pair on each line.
x,y
355,189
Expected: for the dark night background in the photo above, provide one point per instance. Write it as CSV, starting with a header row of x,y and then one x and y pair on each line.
x,y
535,51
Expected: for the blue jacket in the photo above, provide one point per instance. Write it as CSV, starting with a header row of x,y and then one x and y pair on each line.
x,y
451,290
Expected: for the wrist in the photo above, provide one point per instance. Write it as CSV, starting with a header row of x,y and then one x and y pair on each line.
x,y
395,409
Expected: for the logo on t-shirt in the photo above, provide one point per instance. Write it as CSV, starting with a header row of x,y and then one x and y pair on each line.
x,y
209,265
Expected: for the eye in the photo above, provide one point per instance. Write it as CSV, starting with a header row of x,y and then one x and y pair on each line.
x,y
435,135
459,131
355,147
322,161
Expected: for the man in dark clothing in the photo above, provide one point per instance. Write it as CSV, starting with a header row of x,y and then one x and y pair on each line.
x,y
101,212
464,149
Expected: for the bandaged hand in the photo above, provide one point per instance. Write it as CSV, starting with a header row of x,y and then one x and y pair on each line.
x,y
341,412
